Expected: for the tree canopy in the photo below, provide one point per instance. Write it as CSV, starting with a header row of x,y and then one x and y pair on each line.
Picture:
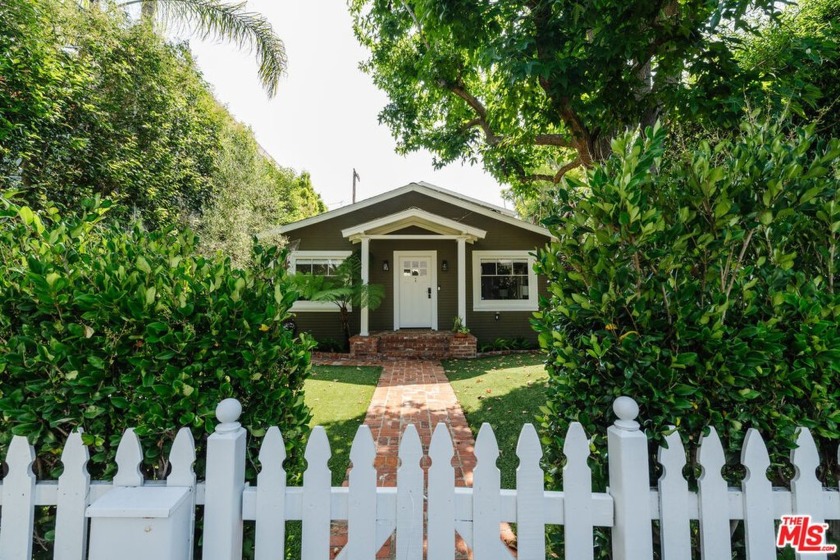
x,y
524,84
223,20
91,104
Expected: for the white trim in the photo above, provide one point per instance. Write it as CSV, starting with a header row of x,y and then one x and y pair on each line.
x,y
413,217
419,236
427,189
364,322
316,254
531,304
462,280
314,306
433,274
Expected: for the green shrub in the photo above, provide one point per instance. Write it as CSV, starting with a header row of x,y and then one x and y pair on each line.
x,y
105,327
705,286
517,343
331,345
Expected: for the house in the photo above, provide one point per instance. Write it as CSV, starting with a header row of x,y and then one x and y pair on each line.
x,y
438,254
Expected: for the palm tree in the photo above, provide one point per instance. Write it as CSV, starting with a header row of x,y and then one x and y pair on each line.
x,y
222,20
344,288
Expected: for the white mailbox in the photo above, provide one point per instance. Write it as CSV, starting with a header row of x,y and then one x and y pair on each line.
x,y
141,523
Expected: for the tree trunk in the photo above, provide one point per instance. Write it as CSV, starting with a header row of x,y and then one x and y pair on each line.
x,y
345,325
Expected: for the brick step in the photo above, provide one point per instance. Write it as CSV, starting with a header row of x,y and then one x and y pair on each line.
x,y
408,344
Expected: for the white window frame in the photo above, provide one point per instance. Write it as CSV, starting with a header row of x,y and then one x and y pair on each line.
x,y
314,306
530,304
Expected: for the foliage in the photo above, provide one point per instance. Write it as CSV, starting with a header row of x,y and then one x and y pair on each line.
x,y
505,392
130,122
104,328
223,20
502,344
458,326
797,60
331,345
252,194
525,84
35,73
344,288
704,285
91,105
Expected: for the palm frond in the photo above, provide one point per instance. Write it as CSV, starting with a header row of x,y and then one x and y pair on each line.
x,y
229,21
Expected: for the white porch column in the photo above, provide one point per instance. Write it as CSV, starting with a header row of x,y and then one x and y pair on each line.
x,y
365,280
462,279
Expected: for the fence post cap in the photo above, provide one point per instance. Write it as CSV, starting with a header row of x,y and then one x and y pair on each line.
x,y
627,411
227,413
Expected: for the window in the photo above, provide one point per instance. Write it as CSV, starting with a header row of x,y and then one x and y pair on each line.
x,y
316,265
504,280
320,263
415,268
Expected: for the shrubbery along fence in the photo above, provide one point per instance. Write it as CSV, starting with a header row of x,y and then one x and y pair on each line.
x,y
630,508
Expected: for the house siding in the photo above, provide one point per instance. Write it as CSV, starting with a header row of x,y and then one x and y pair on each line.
x,y
326,236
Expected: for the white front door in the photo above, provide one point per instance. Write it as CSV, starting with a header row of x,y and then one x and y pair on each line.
x,y
415,290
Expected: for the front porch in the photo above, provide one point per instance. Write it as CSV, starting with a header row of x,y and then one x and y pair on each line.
x,y
422,344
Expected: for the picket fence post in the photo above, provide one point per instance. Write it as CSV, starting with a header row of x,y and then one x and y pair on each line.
x,y
629,484
225,482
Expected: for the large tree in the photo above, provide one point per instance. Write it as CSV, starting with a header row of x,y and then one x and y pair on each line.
x,y
91,104
521,84
226,21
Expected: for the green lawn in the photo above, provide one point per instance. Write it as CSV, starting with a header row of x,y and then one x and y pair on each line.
x,y
339,397
504,391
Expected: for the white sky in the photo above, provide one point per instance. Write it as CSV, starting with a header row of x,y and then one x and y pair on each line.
x,y
324,117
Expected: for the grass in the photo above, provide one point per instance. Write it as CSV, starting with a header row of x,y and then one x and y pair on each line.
x,y
504,391
339,397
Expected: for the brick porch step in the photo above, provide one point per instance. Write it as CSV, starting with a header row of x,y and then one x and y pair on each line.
x,y
413,344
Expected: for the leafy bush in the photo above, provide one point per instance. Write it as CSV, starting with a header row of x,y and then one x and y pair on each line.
x,y
705,286
331,345
501,344
105,328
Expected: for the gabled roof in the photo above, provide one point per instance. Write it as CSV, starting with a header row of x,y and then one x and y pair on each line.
x,y
414,217
433,191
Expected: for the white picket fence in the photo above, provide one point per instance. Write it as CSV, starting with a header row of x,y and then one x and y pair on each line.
x,y
628,508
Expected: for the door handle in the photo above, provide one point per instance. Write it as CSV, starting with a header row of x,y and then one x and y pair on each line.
x,y
430,292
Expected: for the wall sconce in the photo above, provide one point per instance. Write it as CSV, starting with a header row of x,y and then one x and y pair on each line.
x,y
444,265
385,266
498,315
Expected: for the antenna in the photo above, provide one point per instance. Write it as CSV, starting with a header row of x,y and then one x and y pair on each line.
x,y
355,178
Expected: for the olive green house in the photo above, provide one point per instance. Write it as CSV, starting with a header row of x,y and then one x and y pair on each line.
x,y
439,255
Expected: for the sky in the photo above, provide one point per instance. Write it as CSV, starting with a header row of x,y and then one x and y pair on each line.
x,y
324,117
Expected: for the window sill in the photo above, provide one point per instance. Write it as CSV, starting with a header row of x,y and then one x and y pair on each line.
x,y
501,305
314,307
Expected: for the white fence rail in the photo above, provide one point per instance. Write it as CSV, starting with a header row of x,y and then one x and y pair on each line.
x,y
436,511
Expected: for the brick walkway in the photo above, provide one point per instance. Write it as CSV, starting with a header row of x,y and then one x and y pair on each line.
x,y
413,392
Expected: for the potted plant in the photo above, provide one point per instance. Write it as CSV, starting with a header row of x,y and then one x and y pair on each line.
x,y
459,328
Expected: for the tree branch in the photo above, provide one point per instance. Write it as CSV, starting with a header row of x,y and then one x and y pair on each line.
x,y
553,140
477,106
556,178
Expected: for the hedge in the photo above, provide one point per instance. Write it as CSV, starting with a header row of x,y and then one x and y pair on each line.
x,y
703,282
105,326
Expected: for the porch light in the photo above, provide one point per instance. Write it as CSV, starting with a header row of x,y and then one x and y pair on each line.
x,y
444,265
385,267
